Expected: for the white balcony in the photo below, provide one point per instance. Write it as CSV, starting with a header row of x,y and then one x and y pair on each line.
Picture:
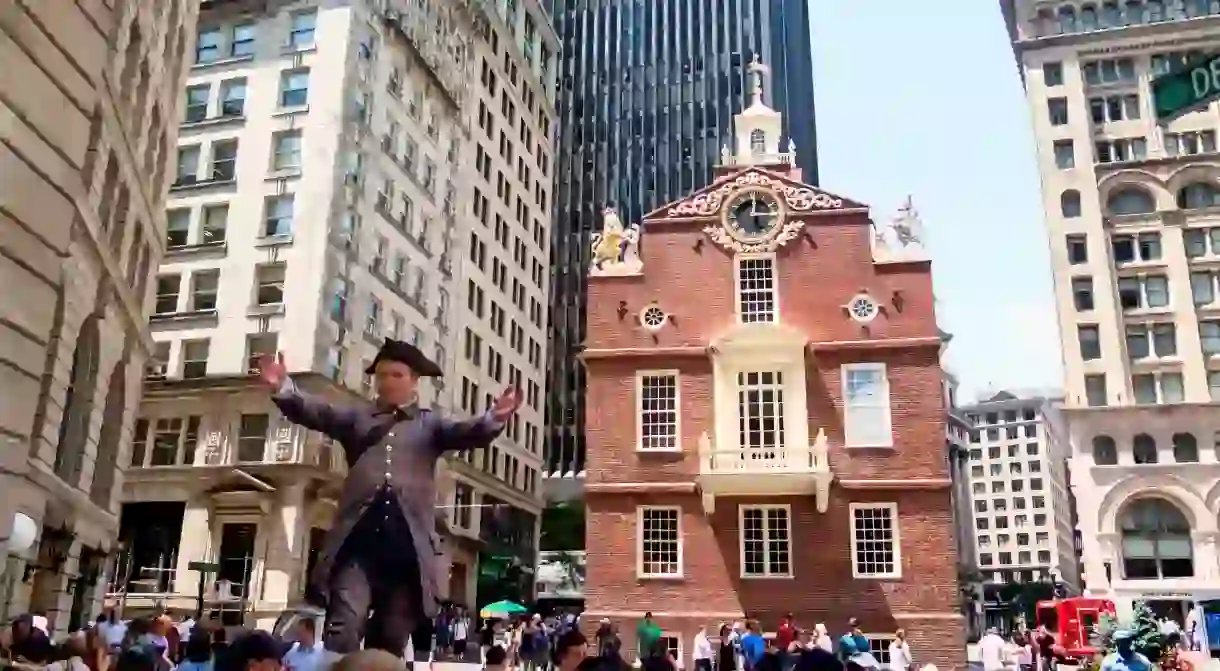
x,y
778,471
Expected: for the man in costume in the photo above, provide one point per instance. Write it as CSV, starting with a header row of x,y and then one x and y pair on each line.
x,y
379,556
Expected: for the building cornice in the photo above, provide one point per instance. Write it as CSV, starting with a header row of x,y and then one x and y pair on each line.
x,y
878,343
815,347
687,487
630,352
1119,40
913,483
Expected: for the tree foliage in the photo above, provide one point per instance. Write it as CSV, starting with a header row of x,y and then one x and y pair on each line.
x,y
1147,637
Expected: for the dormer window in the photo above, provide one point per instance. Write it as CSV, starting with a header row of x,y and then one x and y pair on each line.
x,y
757,298
758,142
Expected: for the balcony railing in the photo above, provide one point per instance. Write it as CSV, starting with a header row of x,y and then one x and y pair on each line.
x,y
781,470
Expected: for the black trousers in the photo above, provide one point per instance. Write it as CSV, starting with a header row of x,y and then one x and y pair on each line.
x,y
375,585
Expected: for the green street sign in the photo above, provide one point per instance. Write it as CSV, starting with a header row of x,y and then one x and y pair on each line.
x,y
1183,90
203,567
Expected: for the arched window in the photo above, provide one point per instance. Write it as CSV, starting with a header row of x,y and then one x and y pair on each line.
x,y
1105,452
758,141
1155,541
78,403
1156,11
110,436
1111,15
1130,200
1198,195
1144,449
1088,18
1069,203
1067,20
1185,448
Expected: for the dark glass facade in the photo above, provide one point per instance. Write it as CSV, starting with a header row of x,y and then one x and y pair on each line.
x,y
647,94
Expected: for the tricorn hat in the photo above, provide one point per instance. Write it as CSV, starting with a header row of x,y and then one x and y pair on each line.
x,y
408,354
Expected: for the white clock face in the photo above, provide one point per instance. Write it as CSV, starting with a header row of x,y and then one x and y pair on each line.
x,y
753,214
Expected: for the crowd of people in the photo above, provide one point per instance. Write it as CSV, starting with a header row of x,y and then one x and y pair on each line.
x,y
530,642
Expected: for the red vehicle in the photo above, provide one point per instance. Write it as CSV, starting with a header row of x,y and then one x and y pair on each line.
x,y
1074,623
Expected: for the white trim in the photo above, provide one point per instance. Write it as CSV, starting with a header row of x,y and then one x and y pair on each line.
x,y
639,410
775,307
639,543
897,542
887,640
863,296
648,327
678,658
741,541
844,371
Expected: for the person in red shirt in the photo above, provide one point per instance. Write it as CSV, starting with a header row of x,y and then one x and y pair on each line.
x,y
784,637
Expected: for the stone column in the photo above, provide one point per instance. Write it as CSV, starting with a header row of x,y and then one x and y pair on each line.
x,y
194,544
286,538
1097,553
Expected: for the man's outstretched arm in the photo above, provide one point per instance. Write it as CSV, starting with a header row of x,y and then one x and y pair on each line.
x,y
480,431
302,408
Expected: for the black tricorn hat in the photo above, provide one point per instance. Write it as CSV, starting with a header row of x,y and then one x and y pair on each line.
x,y
408,354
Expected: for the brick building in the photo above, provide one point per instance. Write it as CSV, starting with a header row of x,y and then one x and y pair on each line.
x,y
767,414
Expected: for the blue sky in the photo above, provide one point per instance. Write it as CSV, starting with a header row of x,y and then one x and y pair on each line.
x,y
929,103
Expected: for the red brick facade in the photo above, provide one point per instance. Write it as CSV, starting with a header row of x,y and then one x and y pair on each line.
x,y
691,277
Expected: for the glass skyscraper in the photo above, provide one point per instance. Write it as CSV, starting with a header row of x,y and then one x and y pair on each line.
x,y
647,94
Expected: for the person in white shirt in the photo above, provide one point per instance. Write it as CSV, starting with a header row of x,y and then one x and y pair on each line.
x,y
900,652
115,633
822,639
702,651
992,648
1023,653
460,628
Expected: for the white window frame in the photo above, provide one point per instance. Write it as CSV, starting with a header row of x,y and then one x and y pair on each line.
x,y
883,653
639,409
676,636
897,549
753,348
844,371
741,541
639,544
775,303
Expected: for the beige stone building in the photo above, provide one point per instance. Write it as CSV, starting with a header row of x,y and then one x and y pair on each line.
x,y
88,95
1133,216
346,172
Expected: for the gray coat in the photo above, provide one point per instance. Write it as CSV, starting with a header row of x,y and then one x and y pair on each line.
x,y
381,450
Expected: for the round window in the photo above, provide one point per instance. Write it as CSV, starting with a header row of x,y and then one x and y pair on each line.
x,y
862,308
653,318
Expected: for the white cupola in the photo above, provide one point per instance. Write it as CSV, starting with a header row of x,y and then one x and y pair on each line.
x,y
758,128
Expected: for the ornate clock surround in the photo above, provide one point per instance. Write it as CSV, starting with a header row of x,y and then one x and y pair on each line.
x,y
780,214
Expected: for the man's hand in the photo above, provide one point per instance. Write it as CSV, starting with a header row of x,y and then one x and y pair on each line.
x,y
506,404
272,371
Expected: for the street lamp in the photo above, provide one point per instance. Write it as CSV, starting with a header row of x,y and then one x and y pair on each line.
x,y
22,536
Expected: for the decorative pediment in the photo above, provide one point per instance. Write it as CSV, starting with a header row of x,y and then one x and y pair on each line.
x,y
759,337
799,198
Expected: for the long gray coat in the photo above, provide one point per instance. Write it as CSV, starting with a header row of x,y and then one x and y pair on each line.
x,y
378,446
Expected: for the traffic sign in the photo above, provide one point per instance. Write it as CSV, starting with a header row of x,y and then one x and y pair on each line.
x,y
203,567
1185,89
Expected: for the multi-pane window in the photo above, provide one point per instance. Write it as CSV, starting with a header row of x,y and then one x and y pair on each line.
x,y
301,33
1121,149
233,97
660,539
756,290
259,345
279,211
1203,287
1142,247
766,541
243,40
1151,340
1190,143
270,284
1065,155
287,154
205,284
195,358
1154,388
252,438
657,408
197,103
1145,291
168,288
174,442
1201,242
188,164
215,221
1057,111
294,88
177,228
866,405
1108,109
224,160
874,540
1082,293
760,412
207,46
1109,71
1090,342
1209,337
